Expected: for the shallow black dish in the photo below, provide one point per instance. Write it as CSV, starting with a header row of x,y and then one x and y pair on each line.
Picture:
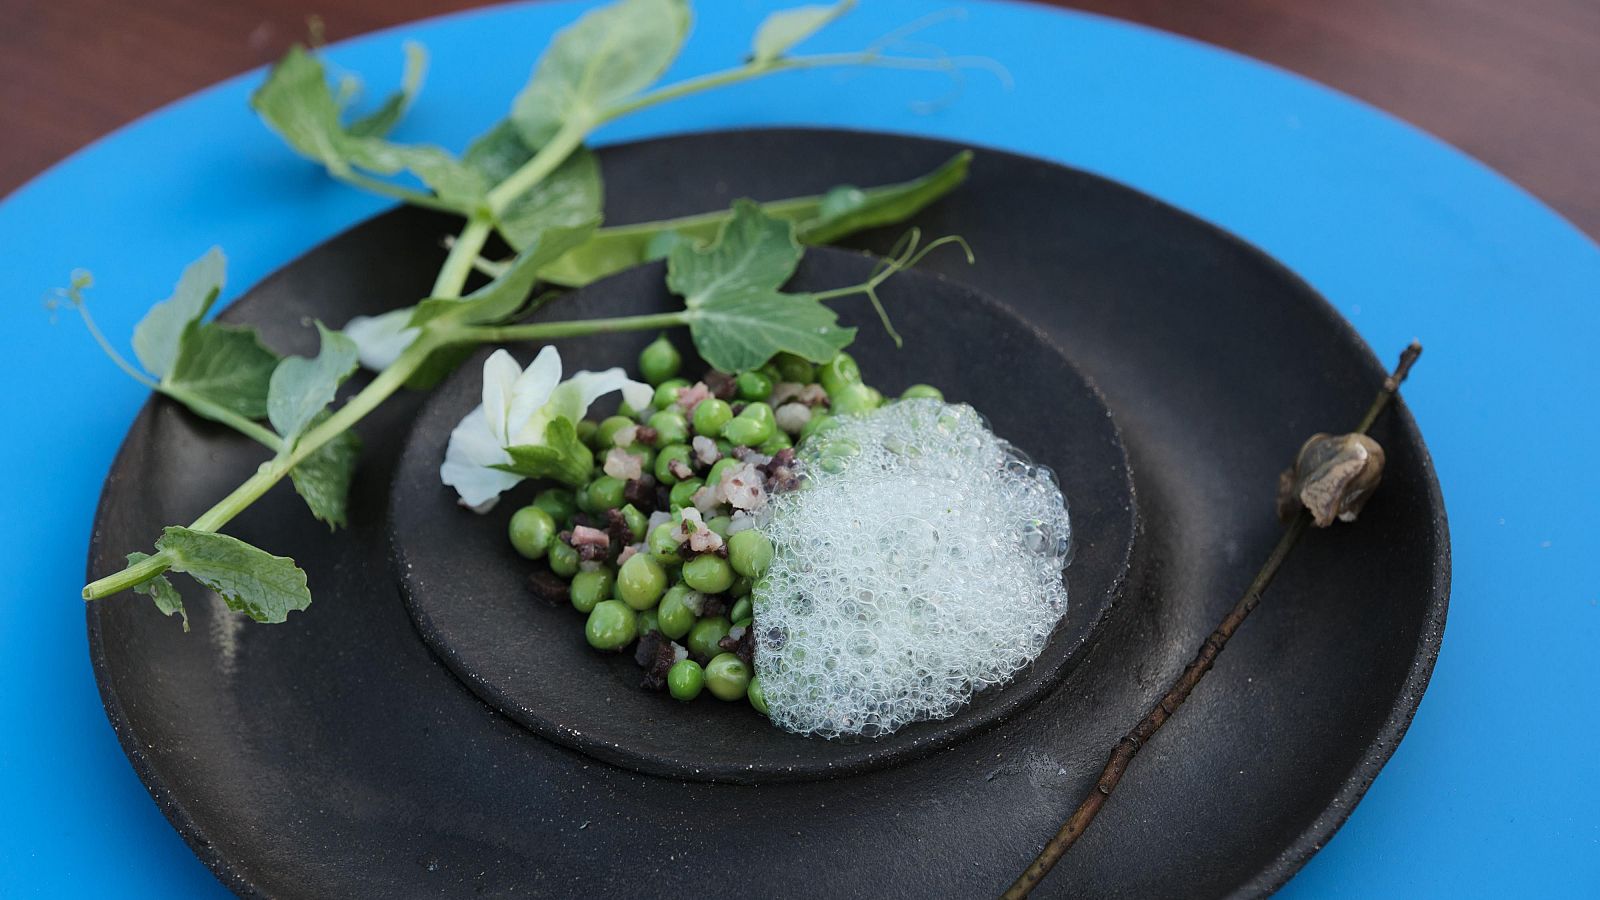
x,y
466,588
335,755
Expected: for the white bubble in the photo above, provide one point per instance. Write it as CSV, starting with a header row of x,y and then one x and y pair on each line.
x,y
920,562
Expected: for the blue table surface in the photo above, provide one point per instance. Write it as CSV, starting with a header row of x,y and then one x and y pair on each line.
x,y
1494,791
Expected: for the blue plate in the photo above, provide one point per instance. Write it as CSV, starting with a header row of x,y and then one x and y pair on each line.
x,y
1407,237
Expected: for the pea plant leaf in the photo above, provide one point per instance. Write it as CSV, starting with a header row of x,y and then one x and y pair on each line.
x,y
323,478
562,457
606,56
782,30
300,388
382,120
224,364
160,590
250,580
296,102
158,334
571,195
738,317
819,219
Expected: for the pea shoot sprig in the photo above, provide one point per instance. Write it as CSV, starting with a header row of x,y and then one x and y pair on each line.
x,y
531,180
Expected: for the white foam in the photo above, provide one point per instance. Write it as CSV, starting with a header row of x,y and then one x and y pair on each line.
x,y
921,562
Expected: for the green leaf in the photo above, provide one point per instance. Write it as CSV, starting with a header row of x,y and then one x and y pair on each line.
x,y
563,457
504,295
738,331
249,580
383,119
300,388
782,30
161,591
323,478
295,101
818,221
737,316
159,333
753,252
570,196
225,364
605,57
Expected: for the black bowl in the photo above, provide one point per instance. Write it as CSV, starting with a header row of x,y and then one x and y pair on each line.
x,y
336,755
467,589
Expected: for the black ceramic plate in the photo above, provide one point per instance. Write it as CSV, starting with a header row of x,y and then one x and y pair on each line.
x,y
336,755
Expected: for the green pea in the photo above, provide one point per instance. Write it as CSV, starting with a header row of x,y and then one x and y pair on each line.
x,y
685,679
662,546
666,396
874,396
671,427
563,559
674,618
720,524
682,493
757,698
838,372
773,445
722,465
604,493
752,386
749,553
558,502
626,410
817,423
794,368
926,391
852,399
741,614
681,452
659,360
586,429
710,416
640,581
532,529
649,621
589,588
705,634
708,574
611,626
636,521
724,447
752,426
727,677
605,436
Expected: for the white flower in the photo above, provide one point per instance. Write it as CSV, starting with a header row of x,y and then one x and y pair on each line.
x,y
381,339
517,406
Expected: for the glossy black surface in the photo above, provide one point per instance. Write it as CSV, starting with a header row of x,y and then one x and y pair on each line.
x,y
466,587
334,755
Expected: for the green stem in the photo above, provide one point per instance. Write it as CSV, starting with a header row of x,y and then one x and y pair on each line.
x,y
547,160
550,331
389,189
218,413
458,265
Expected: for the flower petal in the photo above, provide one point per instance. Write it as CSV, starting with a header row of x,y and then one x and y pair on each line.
x,y
500,374
381,339
573,397
473,449
533,389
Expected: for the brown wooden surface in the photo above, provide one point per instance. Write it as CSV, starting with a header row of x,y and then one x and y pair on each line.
x,y
1514,82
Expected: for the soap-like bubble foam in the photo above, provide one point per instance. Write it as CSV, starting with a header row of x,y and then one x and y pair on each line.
x,y
920,562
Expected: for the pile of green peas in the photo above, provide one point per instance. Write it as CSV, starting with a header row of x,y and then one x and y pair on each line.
x,y
655,588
